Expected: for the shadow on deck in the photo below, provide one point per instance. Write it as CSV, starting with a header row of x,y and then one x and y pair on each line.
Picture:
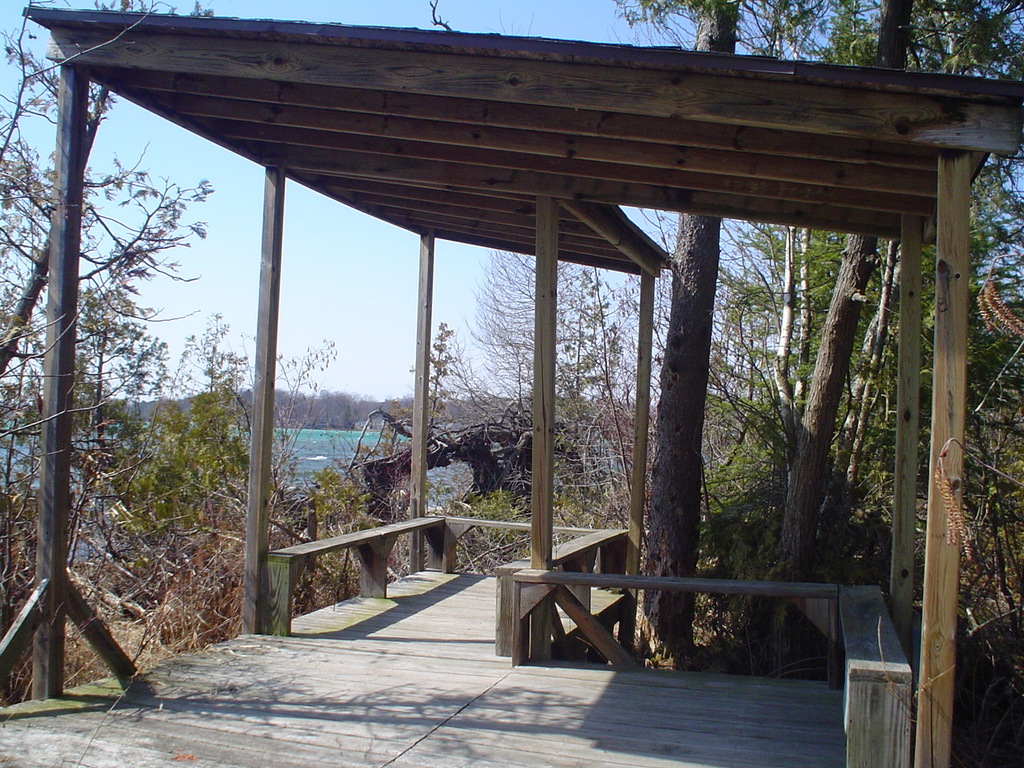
x,y
412,681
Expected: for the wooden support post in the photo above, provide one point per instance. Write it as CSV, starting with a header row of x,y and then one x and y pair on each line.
x,y
58,379
638,474
908,397
373,566
641,422
442,544
546,302
255,609
421,397
942,549
527,599
877,699
282,572
543,467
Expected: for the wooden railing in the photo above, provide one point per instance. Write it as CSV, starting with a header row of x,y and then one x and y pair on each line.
x,y
373,546
879,685
603,551
533,588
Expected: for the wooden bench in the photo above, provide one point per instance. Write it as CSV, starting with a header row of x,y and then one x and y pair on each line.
x,y
595,550
372,547
819,602
879,684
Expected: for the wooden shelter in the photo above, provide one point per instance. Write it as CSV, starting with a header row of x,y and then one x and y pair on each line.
x,y
531,145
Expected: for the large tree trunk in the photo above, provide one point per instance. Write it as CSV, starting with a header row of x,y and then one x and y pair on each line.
x,y
675,508
673,531
674,527
808,472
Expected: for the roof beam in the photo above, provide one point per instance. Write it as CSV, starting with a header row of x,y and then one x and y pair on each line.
x,y
677,156
296,141
611,223
575,122
574,249
829,109
454,176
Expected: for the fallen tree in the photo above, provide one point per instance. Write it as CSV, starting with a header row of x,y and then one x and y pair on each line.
x,y
498,452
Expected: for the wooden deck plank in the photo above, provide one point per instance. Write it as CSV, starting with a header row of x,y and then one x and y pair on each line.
x,y
413,681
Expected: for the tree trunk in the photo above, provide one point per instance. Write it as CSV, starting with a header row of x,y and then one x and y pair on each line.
x,y
863,393
808,472
677,477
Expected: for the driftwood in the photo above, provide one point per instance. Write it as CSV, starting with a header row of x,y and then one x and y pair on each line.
x,y
498,453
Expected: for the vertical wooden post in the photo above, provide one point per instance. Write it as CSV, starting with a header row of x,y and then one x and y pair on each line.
x,y
543,468
421,397
638,474
58,380
942,549
908,397
255,608
641,423
543,465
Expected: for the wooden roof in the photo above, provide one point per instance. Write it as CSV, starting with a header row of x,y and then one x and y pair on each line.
x,y
461,132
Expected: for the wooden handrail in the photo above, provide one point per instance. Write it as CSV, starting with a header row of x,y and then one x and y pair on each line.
x,y
579,555
356,538
820,602
511,525
679,584
879,682
373,545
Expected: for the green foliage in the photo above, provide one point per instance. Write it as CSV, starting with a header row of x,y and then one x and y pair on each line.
x,y
338,503
853,38
195,455
197,464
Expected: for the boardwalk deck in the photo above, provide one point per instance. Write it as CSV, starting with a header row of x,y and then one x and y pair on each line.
x,y
413,682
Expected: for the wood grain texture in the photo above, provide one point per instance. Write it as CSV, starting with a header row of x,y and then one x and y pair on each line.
x,y
879,684
421,396
828,109
421,172
412,681
544,350
257,519
291,144
949,388
639,151
780,143
333,544
641,424
908,416
56,448
18,636
613,225
678,584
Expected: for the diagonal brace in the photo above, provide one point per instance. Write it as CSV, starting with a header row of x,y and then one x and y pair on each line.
x,y
98,634
19,634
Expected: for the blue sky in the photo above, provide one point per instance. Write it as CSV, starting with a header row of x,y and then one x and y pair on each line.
x,y
346,277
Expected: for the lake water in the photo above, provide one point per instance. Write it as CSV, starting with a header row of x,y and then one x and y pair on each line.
x,y
316,449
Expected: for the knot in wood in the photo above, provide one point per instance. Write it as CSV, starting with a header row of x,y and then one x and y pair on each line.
x,y
278,62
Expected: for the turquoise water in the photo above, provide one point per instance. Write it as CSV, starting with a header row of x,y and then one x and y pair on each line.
x,y
315,449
